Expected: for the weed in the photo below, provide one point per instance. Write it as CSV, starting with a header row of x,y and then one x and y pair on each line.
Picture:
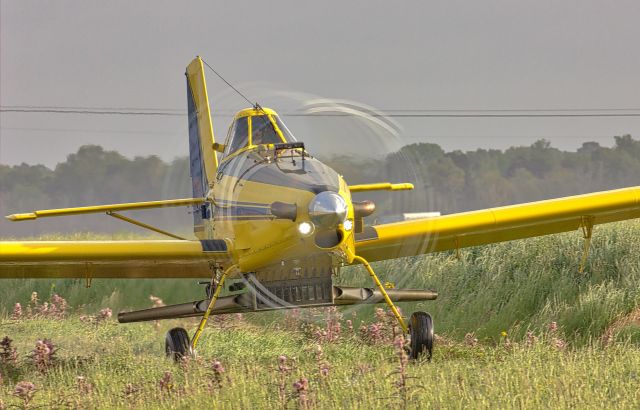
x,y
166,383
301,393
283,371
321,362
102,316
218,377
43,355
131,392
83,386
470,339
8,353
403,360
17,312
25,391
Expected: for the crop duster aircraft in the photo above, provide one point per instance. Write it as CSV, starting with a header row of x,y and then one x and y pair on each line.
x,y
279,225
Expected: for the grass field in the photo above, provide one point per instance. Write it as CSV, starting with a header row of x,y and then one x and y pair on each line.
x,y
518,326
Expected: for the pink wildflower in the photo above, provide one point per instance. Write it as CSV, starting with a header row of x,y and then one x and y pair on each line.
x,y
43,356
157,302
25,391
217,378
301,392
105,314
166,382
8,353
17,312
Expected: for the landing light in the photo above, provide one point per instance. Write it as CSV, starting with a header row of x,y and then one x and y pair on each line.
x,y
305,228
347,225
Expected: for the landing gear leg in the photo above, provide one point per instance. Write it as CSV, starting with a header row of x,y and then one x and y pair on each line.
x,y
421,325
212,302
387,299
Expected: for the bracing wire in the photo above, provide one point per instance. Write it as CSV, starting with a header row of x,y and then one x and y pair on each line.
x,y
229,84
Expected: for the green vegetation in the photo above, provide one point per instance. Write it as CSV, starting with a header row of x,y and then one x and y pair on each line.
x,y
518,326
107,365
515,286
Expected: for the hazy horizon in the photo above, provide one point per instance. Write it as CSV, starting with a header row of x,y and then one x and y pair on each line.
x,y
354,155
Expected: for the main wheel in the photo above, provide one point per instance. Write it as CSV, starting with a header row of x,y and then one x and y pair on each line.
x,y
421,331
177,343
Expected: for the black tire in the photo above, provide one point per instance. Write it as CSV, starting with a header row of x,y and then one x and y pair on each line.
x,y
177,344
421,331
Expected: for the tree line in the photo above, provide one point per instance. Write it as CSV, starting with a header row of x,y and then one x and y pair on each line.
x,y
448,182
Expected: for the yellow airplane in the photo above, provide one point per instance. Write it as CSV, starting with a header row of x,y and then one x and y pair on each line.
x,y
279,224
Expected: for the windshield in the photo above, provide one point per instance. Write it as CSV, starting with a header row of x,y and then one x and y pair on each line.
x,y
288,136
238,136
262,131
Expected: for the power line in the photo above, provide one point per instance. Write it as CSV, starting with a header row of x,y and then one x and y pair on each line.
x,y
61,107
392,113
89,131
404,137
408,115
92,112
401,110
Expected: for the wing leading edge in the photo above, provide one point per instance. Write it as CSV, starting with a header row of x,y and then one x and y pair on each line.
x,y
493,225
111,259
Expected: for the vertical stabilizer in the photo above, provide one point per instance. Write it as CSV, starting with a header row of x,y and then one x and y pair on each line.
x,y
203,160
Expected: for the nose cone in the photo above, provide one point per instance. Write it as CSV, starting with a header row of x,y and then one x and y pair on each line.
x,y
327,209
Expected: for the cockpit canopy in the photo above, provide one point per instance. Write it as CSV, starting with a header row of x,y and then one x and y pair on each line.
x,y
256,126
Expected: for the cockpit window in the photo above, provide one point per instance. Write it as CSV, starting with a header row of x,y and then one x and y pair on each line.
x,y
262,131
238,136
284,130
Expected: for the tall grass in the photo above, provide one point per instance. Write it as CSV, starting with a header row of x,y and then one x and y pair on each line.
x,y
526,284
496,293
124,366
515,286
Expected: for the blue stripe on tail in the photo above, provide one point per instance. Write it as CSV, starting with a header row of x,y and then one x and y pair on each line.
x,y
196,169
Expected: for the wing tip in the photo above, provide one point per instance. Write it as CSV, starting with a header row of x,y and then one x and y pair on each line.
x,y
21,217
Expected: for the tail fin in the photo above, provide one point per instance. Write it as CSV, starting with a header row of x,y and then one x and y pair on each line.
x,y
203,160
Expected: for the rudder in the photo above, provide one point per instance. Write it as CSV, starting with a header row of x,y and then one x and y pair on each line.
x,y
203,160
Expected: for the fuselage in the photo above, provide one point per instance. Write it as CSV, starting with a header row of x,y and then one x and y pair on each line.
x,y
281,211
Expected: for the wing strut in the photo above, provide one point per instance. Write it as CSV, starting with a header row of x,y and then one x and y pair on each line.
x,y
144,225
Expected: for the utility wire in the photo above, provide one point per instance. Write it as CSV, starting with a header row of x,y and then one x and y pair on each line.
x,y
93,112
389,114
405,137
400,110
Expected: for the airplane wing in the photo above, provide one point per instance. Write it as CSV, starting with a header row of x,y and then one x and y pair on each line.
x,y
492,225
180,258
111,259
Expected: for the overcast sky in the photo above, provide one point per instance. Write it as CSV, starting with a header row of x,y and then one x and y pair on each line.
x,y
387,55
